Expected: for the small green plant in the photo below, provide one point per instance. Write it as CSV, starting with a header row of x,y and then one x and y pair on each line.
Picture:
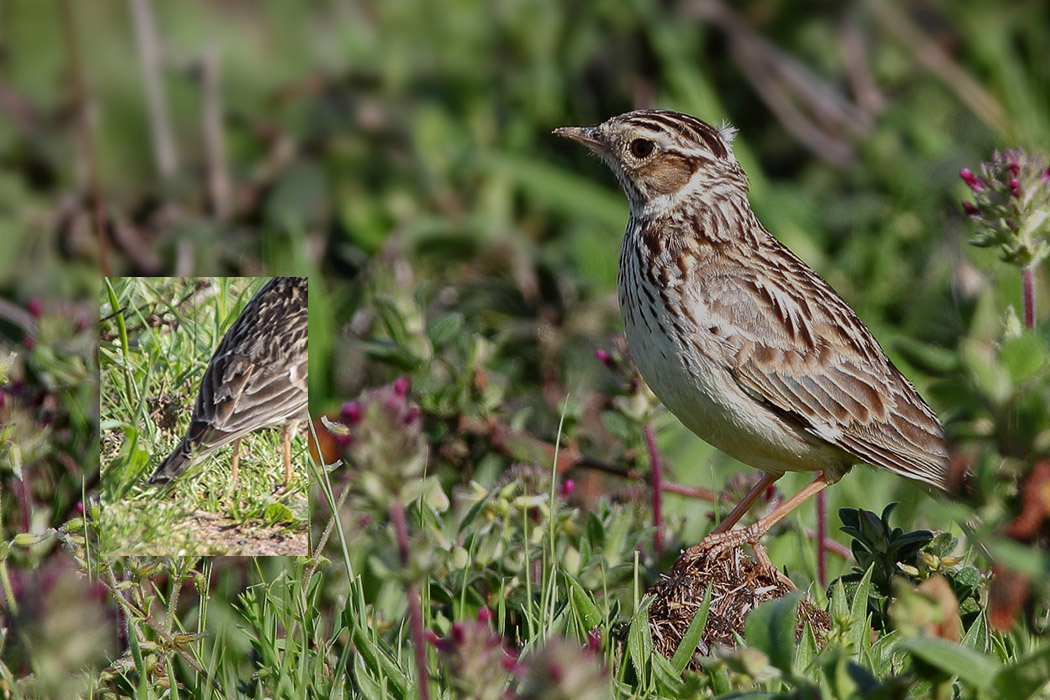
x,y
890,553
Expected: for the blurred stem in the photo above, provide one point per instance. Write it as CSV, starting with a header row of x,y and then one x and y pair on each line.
x,y
1028,292
89,527
896,21
118,315
220,188
552,517
822,534
656,477
25,499
175,577
165,156
696,492
832,547
400,521
128,612
78,96
9,594
202,608
319,471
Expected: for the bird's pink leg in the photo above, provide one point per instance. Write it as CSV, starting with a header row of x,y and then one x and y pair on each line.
x,y
287,434
745,505
236,460
720,541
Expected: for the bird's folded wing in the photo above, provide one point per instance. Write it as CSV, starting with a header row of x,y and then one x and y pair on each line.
x,y
238,396
819,367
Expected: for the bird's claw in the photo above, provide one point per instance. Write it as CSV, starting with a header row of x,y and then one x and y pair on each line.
x,y
717,543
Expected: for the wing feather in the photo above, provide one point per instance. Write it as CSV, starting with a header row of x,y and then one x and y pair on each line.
x,y
815,363
256,378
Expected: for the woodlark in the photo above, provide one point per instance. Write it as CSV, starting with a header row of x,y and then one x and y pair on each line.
x,y
256,378
739,338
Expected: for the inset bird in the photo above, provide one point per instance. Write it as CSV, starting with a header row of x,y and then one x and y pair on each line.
x,y
256,378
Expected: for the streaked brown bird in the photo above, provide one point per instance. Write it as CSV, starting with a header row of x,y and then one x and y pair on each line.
x,y
256,378
739,338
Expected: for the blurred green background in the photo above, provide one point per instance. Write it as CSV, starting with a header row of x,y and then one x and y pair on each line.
x,y
399,153
269,137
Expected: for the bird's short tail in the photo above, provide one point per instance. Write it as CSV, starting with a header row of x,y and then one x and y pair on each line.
x,y
173,465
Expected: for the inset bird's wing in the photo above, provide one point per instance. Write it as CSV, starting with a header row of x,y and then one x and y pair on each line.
x,y
258,375
806,355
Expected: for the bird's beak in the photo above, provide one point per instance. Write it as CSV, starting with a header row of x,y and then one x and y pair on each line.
x,y
589,136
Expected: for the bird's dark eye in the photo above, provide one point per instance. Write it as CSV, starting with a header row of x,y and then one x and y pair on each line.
x,y
640,148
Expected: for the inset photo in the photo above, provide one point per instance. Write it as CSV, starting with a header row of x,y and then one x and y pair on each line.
x,y
204,415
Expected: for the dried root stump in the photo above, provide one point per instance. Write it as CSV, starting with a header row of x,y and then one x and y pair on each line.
x,y
738,584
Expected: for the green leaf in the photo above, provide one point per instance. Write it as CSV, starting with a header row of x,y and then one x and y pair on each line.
x,y
687,647
369,687
838,600
375,657
886,512
721,683
1026,677
881,652
640,638
1023,356
972,667
965,581
445,328
617,424
276,513
943,544
668,679
140,665
850,518
472,514
583,601
977,636
990,377
771,628
807,649
864,679
858,613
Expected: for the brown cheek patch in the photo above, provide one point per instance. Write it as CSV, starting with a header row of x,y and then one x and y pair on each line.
x,y
669,173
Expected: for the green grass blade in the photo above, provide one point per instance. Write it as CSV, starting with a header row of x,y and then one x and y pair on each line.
x,y
1026,677
860,629
687,647
972,667
771,628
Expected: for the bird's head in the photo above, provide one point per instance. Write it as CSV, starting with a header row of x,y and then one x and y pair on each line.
x,y
659,156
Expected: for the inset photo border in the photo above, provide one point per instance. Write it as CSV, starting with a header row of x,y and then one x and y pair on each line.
x,y
203,408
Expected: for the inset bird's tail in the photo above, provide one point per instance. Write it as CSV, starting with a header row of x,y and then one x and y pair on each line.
x,y
174,464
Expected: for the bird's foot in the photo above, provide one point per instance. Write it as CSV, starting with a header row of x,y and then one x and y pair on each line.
x,y
285,485
717,543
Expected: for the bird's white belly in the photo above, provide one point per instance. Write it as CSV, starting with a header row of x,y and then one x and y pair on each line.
x,y
700,392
